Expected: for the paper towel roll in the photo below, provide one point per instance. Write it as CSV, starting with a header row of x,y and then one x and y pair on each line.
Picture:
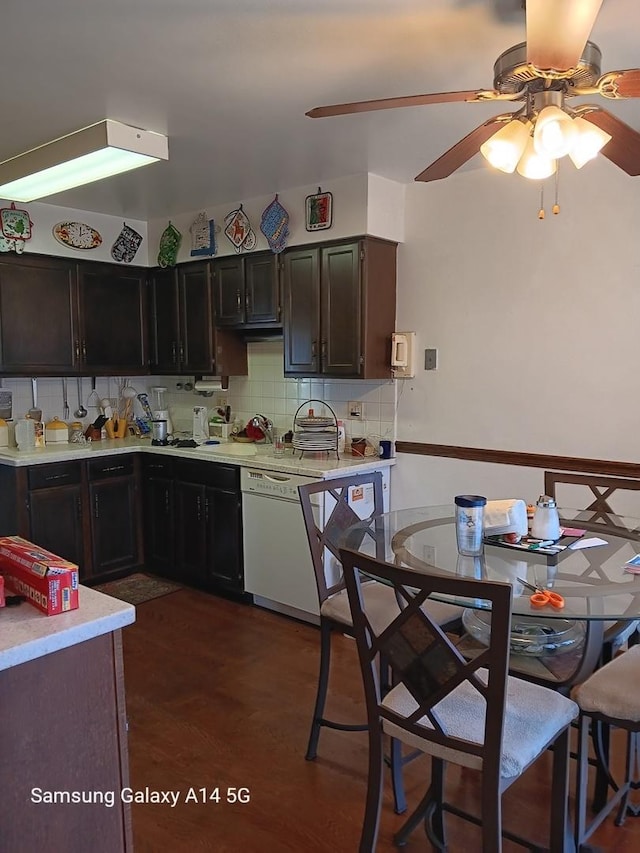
x,y
207,386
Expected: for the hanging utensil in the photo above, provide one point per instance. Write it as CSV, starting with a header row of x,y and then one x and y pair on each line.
x,y
65,401
93,400
80,412
34,412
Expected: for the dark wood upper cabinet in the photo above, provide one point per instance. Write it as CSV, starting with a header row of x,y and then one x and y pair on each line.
x,y
39,323
113,315
339,309
182,333
247,290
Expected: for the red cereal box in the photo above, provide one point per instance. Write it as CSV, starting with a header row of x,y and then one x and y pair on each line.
x,y
49,582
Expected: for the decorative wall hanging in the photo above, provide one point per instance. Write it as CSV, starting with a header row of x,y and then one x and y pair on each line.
x,y
126,244
77,235
15,225
203,236
318,211
275,225
239,231
169,245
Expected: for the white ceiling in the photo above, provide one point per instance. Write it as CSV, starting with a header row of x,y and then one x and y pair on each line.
x,y
229,82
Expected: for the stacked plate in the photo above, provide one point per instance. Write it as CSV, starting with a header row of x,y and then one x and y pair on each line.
x,y
315,434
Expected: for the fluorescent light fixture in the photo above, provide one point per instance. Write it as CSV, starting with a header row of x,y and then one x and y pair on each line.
x,y
590,140
535,166
506,146
99,151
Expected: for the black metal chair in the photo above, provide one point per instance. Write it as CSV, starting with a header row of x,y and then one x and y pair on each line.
x,y
467,712
611,696
329,507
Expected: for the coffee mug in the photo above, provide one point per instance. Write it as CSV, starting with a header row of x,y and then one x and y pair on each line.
x,y
384,450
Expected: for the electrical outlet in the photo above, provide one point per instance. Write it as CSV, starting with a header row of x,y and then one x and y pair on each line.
x,y
221,401
429,554
354,407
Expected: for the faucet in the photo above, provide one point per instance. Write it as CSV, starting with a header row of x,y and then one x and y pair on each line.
x,y
266,425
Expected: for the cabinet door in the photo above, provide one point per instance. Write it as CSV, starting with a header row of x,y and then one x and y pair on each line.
x,y
55,517
301,312
114,514
39,333
112,303
340,312
164,327
223,515
196,318
228,278
159,529
262,289
191,539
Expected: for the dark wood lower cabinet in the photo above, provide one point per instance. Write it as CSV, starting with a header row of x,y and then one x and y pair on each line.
x,y
56,522
193,522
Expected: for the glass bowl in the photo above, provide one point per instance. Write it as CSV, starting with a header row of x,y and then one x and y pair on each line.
x,y
530,635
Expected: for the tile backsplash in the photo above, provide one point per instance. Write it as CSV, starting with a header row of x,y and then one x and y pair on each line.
x,y
265,391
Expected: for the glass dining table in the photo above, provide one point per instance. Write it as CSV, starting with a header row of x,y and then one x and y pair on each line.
x,y
557,647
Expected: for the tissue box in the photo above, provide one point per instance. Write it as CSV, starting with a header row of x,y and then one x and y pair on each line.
x,y
506,516
49,582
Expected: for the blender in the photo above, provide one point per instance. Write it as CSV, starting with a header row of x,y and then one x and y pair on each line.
x,y
159,409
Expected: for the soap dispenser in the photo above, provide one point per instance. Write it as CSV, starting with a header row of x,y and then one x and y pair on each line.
x,y
546,523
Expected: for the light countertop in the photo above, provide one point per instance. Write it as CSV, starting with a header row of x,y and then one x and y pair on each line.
x,y
322,465
26,633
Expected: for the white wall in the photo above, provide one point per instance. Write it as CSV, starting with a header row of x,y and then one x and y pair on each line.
x,y
535,322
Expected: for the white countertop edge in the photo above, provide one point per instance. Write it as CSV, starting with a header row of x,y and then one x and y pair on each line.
x,y
26,633
326,466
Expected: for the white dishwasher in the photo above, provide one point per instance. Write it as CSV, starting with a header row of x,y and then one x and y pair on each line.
x,y
278,570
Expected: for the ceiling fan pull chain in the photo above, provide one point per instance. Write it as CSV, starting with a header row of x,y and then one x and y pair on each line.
x,y
541,211
556,206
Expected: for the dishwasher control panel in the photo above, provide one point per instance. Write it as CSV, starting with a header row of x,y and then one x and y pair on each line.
x,y
272,483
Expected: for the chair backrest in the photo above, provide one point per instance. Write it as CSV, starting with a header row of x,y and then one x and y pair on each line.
x,y
329,507
595,493
426,660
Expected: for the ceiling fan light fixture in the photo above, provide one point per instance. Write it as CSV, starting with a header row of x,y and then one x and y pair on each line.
x,y
504,149
555,133
99,151
589,141
535,166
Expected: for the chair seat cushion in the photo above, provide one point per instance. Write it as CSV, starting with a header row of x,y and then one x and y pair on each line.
x,y
381,607
534,715
614,689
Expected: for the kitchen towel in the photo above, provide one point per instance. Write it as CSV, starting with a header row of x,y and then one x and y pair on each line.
x,y
505,516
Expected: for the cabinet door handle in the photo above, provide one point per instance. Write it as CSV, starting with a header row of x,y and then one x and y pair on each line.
x,y
96,506
84,350
238,300
167,506
174,354
112,468
51,477
206,510
181,354
323,353
79,508
77,343
247,302
314,349
199,507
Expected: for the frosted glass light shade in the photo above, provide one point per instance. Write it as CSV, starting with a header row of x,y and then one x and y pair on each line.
x,y
104,149
506,146
589,141
535,166
555,133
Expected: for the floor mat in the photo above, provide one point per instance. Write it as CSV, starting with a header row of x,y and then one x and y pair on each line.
x,y
138,588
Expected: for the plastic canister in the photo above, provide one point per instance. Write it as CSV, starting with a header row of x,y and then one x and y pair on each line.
x,y
4,433
469,524
56,432
546,523
25,434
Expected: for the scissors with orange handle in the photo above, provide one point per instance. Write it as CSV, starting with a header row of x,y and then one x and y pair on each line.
x,y
542,596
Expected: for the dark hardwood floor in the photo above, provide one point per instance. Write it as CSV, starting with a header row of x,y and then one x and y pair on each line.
x,y
219,695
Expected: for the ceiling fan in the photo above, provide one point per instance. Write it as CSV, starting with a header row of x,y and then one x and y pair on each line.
x,y
555,64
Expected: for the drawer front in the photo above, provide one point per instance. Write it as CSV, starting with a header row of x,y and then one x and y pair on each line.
x,y
56,474
111,466
156,465
214,474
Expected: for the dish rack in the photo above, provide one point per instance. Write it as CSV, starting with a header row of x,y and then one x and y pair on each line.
x,y
315,433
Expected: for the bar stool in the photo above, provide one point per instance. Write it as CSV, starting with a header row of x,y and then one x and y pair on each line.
x,y
609,697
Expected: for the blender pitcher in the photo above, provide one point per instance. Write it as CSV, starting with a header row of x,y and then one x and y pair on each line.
x,y
159,408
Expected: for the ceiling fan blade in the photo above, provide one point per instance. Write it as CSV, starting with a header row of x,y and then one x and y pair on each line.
x,y
462,151
619,84
623,148
407,101
558,31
